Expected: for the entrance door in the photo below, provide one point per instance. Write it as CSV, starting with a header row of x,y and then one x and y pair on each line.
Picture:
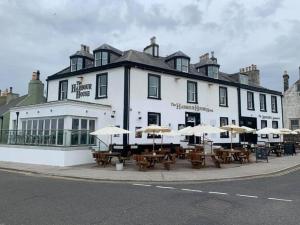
x,y
252,123
192,119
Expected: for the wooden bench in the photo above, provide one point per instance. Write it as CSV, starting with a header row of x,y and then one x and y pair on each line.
x,y
169,160
197,160
141,162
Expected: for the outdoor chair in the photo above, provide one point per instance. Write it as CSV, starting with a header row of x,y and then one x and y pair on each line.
x,y
197,160
142,162
169,160
226,157
125,155
180,153
102,159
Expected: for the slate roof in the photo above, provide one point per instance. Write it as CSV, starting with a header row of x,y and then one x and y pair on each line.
x,y
83,53
109,47
177,54
142,58
15,102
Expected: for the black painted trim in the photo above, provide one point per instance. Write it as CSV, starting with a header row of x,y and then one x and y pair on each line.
x,y
159,86
282,111
97,85
162,70
187,91
222,134
221,87
159,123
47,91
126,105
239,109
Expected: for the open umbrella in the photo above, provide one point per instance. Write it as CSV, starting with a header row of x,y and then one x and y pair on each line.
x,y
110,130
267,131
233,129
172,133
154,129
186,131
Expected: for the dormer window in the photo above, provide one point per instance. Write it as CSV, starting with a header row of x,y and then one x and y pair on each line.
x,y
244,79
182,64
76,64
101,58
213,72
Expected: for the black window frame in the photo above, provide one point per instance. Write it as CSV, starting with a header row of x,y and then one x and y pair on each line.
x,y
224,134
159,86
159,123
276,105
76,64
187,92
275,127
260,102
59,90
224,88
97,85
264,136
252,98
180,69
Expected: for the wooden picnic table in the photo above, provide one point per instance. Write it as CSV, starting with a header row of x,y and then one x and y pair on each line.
x,y
104,158
152,159
231,152
213,158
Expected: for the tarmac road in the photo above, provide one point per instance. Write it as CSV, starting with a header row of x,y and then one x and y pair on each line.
x,y
32,199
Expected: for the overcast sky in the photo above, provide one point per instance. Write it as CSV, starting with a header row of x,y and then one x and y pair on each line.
x,y
43,34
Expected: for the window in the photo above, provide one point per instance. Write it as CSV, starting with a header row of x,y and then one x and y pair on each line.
x,y
250,100
101,58
244,79
274,104
275,126
294,124
223,122
76,64
153,119
182,65
298,87
192,92
262,101
213,72
264,124
101,86
153,86
138,134
223,96
63,90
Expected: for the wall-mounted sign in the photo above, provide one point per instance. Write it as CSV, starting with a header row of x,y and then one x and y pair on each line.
x,y
81,90
196,108
269,117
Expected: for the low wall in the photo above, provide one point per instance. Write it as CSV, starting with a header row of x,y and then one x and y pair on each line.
x,y
43,155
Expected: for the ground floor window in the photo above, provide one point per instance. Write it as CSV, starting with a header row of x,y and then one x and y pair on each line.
x,y
275,126
224,122
81,129
264,124
154,119
294,124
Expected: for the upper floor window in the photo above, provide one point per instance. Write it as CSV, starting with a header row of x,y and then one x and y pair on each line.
x,y
223,99
192,92
101,58
76,64
153,86
274,104
213,72
101,86
250,100
244,79
182,65
63,90
262,100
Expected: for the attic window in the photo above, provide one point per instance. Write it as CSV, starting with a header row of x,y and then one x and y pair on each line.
x,y
182,64
213,72
76,64
101,58
244,79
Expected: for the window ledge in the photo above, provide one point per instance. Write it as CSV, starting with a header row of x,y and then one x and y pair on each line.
x,y
154,98
100,97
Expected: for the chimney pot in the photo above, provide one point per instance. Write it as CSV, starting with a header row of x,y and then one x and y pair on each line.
x,y
38,75
153,40
34,76
285,81
10,89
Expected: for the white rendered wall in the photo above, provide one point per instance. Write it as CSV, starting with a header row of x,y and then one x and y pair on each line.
x,y
45,155
259,115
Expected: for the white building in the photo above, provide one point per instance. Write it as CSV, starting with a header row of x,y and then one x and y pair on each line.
x,y
132,89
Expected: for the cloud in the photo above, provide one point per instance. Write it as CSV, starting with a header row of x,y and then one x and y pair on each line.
x,y
268,8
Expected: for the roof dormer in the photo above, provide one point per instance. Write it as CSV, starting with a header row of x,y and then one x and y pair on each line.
x,y
106,54
208,66
153,48
179,61
81,59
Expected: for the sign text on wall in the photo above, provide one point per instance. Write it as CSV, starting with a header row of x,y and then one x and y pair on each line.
x,y
196,108
81,90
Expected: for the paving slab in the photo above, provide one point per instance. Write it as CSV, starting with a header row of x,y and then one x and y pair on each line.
x,y
180,173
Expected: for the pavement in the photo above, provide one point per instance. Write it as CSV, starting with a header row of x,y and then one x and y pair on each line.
x,y
182,171
33,199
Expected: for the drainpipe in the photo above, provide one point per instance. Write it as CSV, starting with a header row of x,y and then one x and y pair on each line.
x,y
17,125
1,117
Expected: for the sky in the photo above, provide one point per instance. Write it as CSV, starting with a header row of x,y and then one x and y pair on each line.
x,y
42,34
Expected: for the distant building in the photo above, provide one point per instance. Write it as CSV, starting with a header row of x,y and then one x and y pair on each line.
x,y
291,103
8,100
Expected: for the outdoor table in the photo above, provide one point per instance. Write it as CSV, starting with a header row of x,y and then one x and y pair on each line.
x,y
234,153
152,159
213,158
108,155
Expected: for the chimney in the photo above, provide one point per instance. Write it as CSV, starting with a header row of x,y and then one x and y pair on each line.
x,y
253,74
34,76
38,75
85,48
153,48
285,81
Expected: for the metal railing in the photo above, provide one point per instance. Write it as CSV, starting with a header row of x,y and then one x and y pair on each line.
x,y
65,138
